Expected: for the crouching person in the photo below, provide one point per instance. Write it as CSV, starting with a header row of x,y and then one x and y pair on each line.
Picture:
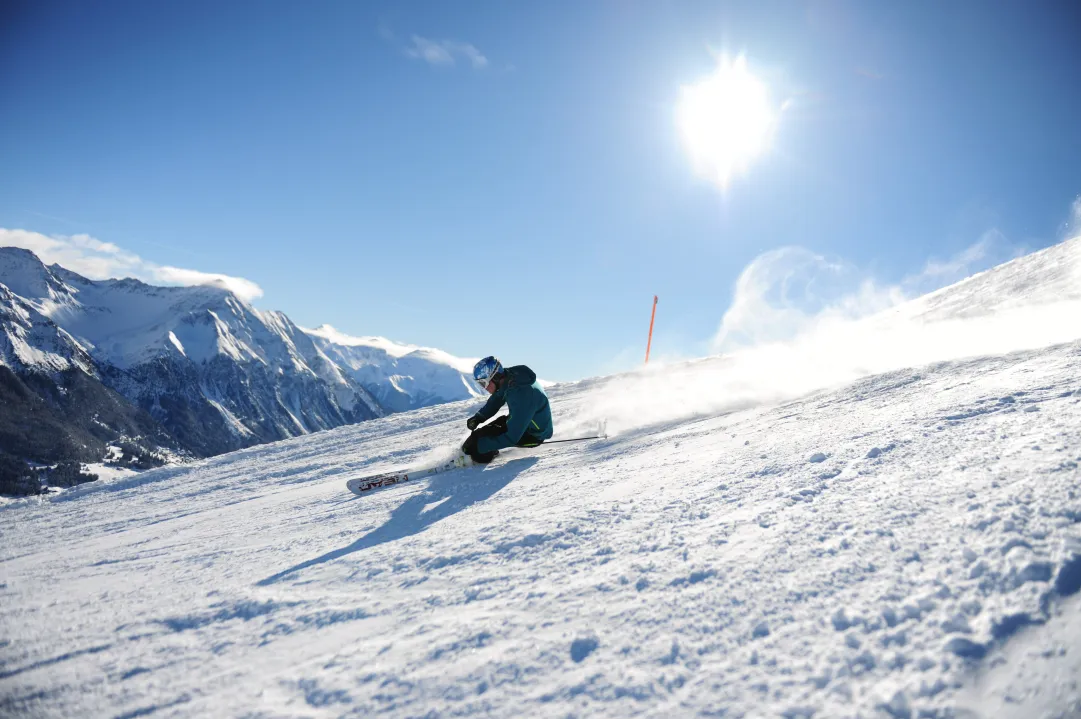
x,y
529,422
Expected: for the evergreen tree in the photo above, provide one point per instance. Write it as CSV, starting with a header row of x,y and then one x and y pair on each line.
x,y
17,478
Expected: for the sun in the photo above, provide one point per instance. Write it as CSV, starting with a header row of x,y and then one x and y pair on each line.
x,y
726,120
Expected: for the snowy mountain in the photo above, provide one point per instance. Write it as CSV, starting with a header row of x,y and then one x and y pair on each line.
x,y
30,340
53,404
903,544
216,373
401,377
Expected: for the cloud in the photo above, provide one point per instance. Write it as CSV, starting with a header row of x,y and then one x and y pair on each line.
x,y
99,260
445,52
242,288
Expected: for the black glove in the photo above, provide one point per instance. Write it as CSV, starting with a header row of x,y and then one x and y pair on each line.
x,y
472,422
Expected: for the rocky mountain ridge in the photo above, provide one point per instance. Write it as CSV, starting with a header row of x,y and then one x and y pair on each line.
x,y
209,371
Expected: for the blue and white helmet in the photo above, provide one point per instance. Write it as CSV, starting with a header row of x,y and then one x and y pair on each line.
x,y
485,370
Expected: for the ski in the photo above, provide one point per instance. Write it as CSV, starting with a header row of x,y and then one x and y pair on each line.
x,y
365,485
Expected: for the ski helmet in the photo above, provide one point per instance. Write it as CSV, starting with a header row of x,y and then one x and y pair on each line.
x,y
485,370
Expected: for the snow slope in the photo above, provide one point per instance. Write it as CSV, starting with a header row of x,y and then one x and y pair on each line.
x,y
872,546
904,544
1047,277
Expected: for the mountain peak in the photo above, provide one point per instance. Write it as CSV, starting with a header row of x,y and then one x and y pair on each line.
x,y
26,275
392,348
18,259
18,252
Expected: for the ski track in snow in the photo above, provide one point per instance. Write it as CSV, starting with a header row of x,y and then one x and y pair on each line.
x,y
909,545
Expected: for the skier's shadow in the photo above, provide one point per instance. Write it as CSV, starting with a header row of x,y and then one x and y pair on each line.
x,y
453,492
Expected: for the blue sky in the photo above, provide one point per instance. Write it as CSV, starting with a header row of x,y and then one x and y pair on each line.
x,y
508,178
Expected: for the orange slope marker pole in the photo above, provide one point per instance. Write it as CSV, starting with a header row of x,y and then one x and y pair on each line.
x,y
652,317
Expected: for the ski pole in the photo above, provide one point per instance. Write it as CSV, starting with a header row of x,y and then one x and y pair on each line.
x,y
576,439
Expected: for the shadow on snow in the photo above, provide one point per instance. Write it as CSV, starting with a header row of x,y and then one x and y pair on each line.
x,y
453,492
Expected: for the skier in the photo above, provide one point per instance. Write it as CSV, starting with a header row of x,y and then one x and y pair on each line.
x,y
529,421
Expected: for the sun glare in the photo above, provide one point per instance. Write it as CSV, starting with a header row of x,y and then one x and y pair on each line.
x,y
726,120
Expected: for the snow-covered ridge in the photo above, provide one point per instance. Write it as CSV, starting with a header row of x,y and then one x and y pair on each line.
x,y
207,362
401,377
1050,276
29,339
126,322
331,334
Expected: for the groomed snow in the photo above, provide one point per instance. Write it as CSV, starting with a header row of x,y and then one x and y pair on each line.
x,y
876,519
871,548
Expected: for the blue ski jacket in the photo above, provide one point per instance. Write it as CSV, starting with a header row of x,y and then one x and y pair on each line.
x,y
528,406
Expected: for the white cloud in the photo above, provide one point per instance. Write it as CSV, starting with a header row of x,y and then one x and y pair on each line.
x,y
99,260
445,52
242,288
